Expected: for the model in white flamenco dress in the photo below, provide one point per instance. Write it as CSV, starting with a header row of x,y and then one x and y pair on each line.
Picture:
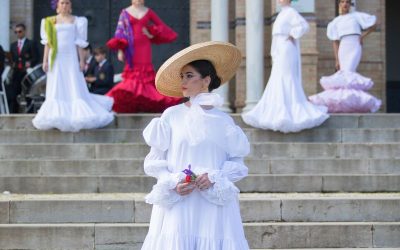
x,y
205,219
69,106
284,106
344,91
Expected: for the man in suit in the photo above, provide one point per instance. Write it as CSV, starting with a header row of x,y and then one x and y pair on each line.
x,y
24,55
90,61
103,79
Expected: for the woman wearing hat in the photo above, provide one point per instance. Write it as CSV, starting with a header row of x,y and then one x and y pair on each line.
x,y
196,155
284,106
345,91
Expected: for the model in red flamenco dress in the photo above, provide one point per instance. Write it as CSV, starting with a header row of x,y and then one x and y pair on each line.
x,y
136,92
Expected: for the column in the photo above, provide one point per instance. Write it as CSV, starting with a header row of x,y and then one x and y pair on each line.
x,y
5,24
254,52
220,32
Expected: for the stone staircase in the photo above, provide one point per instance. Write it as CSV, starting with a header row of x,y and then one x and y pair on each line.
x,y
336,186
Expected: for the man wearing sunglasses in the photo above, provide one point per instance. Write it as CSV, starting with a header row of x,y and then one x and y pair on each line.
x,y
24,55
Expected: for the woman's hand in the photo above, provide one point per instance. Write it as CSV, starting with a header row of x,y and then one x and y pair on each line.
x,y
337,65
121,56
362,40
202,182
290,38
45,66
147,33
184,188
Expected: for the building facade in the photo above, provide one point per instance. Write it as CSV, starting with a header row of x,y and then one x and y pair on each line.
x,y
226,20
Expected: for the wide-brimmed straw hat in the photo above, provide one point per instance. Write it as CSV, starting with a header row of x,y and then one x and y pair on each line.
x,y
224,56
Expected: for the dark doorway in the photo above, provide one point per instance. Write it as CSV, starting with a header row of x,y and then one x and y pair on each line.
x,y
393,56
103,16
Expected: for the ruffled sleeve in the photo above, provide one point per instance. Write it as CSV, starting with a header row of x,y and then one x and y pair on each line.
x,y
81,32
43,35
299,25
117,43
232,170
162,33
157,135
365,20
332,31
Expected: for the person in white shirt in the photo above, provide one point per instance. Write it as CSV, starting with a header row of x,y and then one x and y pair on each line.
x,y
284,106
344,91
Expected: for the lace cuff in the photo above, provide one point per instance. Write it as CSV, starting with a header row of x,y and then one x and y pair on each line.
x,y
222,192
163,193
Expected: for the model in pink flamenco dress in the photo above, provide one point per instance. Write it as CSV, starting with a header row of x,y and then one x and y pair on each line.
x,y
345,91
137,93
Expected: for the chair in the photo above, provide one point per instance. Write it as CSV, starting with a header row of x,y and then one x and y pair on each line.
x,y
3,96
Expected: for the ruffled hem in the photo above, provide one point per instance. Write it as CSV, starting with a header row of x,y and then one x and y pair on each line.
x,y
346,79
117,43
162,34
180,242
301,116
137,93
347,101
72,117
81,43
163,193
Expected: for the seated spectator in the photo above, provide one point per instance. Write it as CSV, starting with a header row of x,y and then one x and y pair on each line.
x,y
103,79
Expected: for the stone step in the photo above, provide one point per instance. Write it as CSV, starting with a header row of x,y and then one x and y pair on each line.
x,y
259,235
262,183
104,167
18,136
131,208
266,150
378,120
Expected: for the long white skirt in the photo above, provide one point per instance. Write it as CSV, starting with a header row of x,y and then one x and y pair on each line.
x,y
69,106
284,106
206,226
344,90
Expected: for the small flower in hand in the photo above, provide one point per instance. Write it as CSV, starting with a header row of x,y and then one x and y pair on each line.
x,y
190,176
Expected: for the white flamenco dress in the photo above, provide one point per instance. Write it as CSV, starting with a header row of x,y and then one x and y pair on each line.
x,y
344,91
284,106
69,106
211,143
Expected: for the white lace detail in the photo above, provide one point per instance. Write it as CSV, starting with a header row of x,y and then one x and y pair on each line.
x,y
222,192
163,193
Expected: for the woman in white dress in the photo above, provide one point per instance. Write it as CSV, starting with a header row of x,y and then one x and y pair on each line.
x,y
68,106
284,106
202,212
345,90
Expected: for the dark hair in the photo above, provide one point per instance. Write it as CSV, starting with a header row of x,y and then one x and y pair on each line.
x,y
20,25
100,50
206,68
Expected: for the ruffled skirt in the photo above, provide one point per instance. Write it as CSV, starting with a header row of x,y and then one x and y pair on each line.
x,y
284,106
69,106
137,92
345,90
196,224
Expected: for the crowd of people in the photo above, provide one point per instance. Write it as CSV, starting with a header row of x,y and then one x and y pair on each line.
x,y
196,150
